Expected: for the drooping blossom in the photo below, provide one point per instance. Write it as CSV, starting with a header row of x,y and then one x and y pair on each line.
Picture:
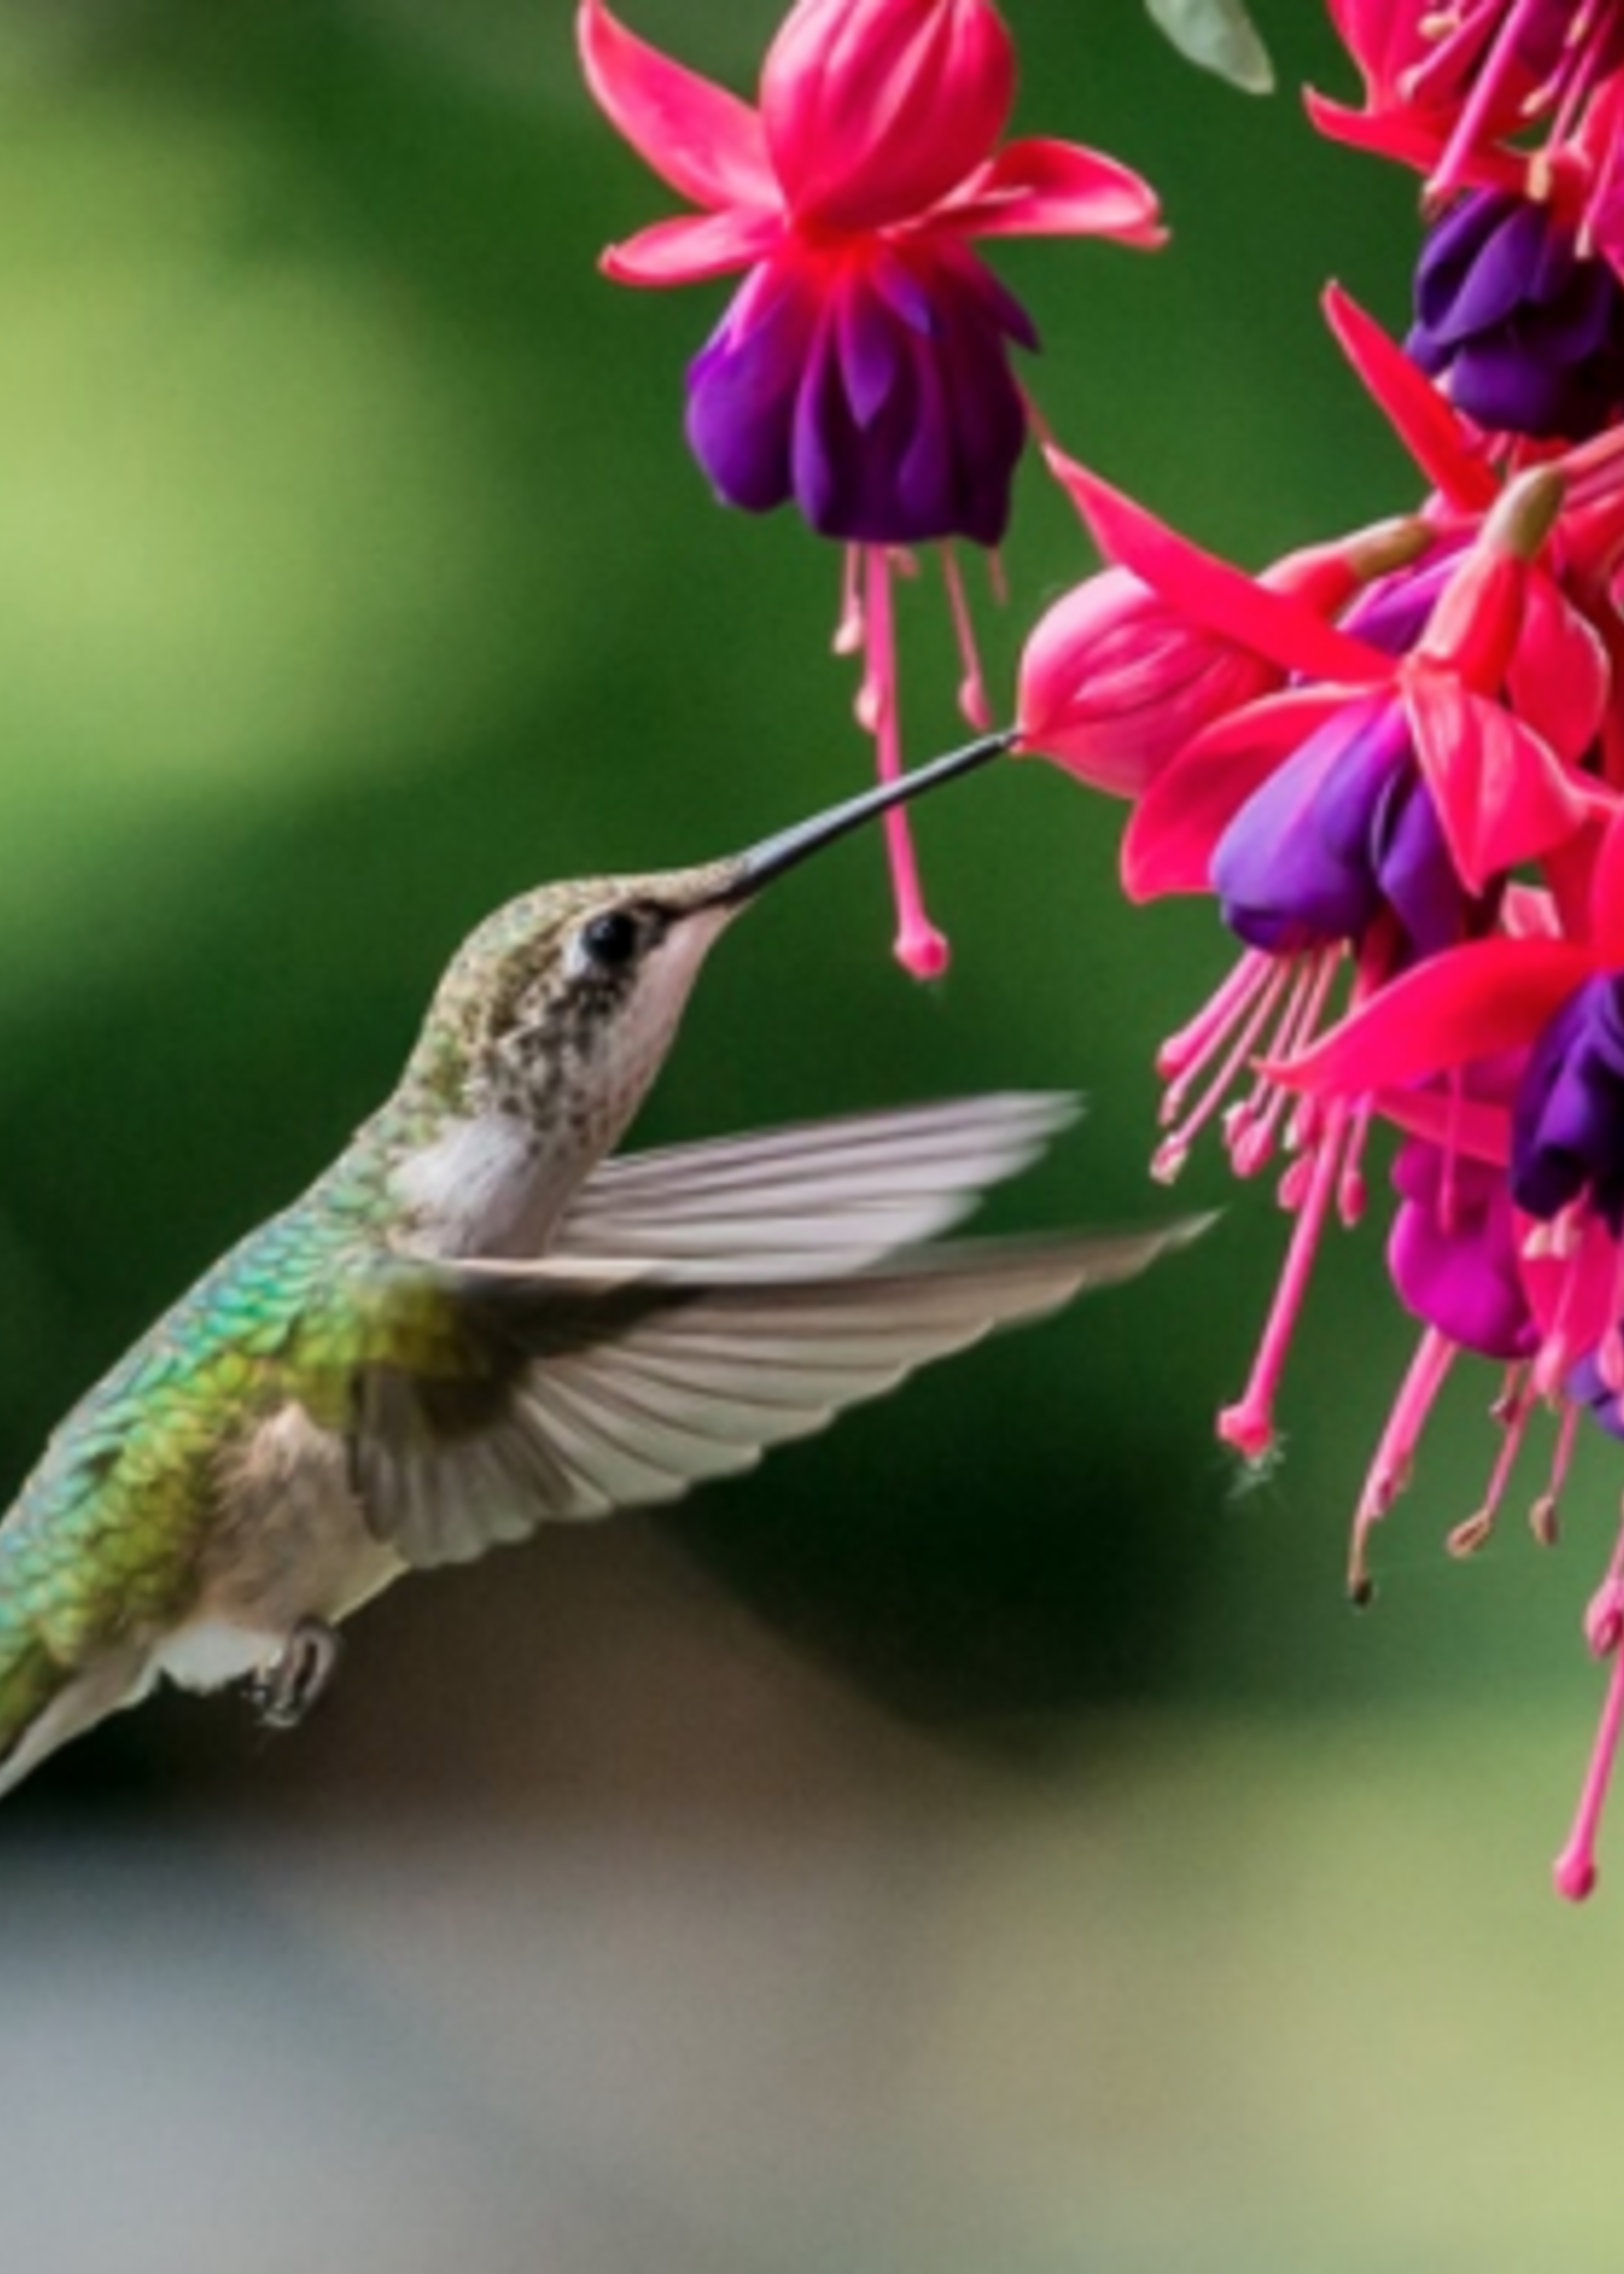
x,y
1420,732
862,371
1511,110
1454,91
1520,320
1116,676
1400,777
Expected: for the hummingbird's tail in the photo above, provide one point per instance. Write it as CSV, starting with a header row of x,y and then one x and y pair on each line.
x,y
43,1704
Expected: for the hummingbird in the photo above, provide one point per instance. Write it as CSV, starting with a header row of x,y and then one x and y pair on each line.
x,y
481,1318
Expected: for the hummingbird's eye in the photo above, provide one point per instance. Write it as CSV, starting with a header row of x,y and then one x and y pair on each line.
x,y
611,940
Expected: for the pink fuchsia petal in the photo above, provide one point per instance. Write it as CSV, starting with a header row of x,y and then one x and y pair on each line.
x,y
1421,416
1410,140
875,109
1384,134
1471,1002
1114,683
1572,1286
1387,38
696,136
1559,676
1477,619
1176,826
1502,794
691,248
1208,590
1457,1124
1606,895
1037,188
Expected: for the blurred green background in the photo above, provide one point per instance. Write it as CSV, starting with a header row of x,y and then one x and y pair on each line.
x,y
983,1838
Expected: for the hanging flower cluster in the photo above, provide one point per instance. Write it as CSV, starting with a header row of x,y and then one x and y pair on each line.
x,y
1397,763
1395,760
862,371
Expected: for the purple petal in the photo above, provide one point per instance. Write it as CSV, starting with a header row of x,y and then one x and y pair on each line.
x,y
1567,1136
1291,869
742,392
1452,1252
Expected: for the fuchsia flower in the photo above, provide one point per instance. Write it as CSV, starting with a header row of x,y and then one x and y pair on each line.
x,y
862,370
1116,676
1519,304
1360,760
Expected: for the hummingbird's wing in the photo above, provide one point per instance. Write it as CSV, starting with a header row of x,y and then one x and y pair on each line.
x,y
821,1197
579,1389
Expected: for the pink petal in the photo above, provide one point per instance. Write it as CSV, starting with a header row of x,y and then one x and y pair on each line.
x,y
1169,841
1502,794
1462,1125
691,247
1114,683
1386,134
1412,141
1209,591
1529,913
1570,1295
1606,900
1423,417
1469,1003
1558,677
1038,187
874,109
694,134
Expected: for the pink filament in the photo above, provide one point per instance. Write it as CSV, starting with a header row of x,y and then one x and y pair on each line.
x,y
972,686
921,948
1184,1052
1543,1515
1512,1411
1171,1153
1248,1424
1451,170
1389,1469
1575,1870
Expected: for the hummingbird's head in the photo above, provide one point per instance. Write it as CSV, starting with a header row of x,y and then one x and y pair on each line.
x,y
559,1008
558,1011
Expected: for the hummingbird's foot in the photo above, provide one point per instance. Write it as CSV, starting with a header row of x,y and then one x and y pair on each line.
x,y
286,1687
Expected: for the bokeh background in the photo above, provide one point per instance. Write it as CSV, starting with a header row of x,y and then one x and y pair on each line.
x,y
984,1839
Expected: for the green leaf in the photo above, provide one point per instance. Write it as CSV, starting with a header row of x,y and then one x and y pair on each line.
x,y
1220,37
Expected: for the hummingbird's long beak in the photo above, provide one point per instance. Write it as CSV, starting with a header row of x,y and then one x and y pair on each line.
x,y
749,871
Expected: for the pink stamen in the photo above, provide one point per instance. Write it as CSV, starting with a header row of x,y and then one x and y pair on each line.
x,y
1449,174
1395,1454
848,625
1183,1053
973,705
1511,1410
1543,1516
1351,1190
1173,1103
921,948
1248,1424
1448,1182
1560,1241
1575,1869
1258,1118
1610,1354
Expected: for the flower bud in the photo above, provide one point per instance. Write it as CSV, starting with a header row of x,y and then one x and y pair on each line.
x,y
874,109
1113,682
